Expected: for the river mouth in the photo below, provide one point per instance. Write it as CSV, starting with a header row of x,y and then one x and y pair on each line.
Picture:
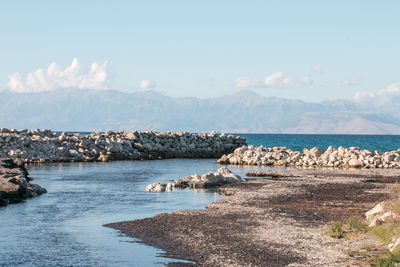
x,y
65,226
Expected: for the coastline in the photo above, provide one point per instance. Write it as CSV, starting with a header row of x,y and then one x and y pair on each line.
x,y
275,221
15,183
39,146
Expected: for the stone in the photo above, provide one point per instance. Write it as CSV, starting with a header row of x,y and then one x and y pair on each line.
x,y
169,187
103,158
354,163
379,214
156,187
341,157
316,152
211,179
43,146
229,177
15,184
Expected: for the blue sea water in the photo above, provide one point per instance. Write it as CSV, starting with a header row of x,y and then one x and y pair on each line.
x,y
64,226
297,142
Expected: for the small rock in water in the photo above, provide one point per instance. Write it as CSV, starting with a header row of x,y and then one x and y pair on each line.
x,y
169,187
211,179
156,187
15,184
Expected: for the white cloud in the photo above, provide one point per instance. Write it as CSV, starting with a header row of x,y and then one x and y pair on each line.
x,y
246,82
278,80
73,77
317,68
388,92
275,80
146,84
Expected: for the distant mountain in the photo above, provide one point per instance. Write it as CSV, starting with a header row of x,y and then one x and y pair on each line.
x,y
245,111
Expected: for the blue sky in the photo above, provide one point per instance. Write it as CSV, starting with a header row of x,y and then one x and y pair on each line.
x,y
309,50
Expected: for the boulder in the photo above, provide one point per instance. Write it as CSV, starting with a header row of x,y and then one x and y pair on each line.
x,y
169,187
341,157
316,152
15,184
211,179
44,146
116,147
354,163
379,214
156,187
229,177
103,158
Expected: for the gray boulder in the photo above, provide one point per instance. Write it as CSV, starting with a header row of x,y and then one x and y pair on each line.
x,y
15,184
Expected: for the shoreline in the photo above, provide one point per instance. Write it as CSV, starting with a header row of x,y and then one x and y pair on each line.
x,y
15,185
39,146
352,157
275,221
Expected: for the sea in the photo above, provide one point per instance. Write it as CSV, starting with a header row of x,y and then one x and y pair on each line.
x,y
64,227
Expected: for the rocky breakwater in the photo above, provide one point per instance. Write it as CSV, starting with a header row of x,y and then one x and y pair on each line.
x,y
211,179
15,184
46,146
340,157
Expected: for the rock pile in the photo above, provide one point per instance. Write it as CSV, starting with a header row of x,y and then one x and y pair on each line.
x,y
340,157
156,187
46,146
211,179
14,183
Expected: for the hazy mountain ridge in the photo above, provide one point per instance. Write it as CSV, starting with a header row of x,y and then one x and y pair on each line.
x,y
245,111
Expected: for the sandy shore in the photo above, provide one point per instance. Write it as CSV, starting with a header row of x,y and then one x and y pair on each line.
x,y
268,222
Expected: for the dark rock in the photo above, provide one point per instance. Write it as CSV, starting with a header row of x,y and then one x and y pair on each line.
x,y
14,183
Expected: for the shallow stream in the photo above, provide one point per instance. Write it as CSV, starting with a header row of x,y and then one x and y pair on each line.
x,y
64,226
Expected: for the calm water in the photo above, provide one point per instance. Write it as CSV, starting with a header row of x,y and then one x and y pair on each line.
x,y
64,226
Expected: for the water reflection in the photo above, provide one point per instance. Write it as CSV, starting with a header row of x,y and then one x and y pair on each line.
x,y
64,226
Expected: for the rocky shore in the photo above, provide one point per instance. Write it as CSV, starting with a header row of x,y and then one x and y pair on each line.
x,y
269,222
340,157
15,184
29,146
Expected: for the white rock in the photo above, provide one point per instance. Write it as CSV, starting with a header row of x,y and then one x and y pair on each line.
x,y
212,178
169,187
379,214
156,187
229,176
354,163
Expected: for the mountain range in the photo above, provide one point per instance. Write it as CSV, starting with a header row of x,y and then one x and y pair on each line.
x,y
242,112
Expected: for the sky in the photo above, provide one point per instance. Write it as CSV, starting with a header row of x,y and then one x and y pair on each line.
x,y
307,50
